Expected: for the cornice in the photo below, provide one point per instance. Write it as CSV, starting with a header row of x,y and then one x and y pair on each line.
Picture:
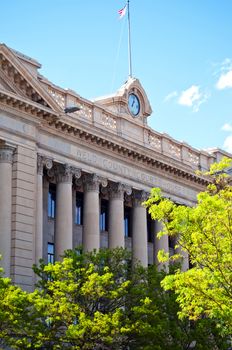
x,y
26,106
134,152
135,155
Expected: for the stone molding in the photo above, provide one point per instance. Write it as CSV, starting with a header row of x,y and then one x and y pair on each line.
x,y
6,154
139,197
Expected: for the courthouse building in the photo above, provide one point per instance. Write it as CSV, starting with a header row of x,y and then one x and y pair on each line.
x,y
75,171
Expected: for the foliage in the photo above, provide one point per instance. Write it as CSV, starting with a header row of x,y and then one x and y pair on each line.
x,y
205,233
98,300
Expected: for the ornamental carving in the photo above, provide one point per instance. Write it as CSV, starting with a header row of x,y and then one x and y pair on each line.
x,y
139,197
175,150
64,173
43,162
58,97
91,182
154,141
85,111
193,158
108,121
117,190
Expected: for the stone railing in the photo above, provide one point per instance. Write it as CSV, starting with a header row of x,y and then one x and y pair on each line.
x,y
181,151
159,142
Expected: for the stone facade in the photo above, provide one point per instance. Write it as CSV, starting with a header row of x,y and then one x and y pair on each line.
x,y
81,177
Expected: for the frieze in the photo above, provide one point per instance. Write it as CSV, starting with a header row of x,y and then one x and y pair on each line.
x,y
141,177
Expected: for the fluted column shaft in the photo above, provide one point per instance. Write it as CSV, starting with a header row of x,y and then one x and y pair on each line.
x,y
139,224
91,229
160,244
64,222
116,216
6,156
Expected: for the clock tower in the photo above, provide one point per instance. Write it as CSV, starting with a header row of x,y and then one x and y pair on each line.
x,y
129,102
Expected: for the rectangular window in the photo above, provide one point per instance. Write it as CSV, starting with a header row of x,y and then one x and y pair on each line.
x,y
51,253
127,222
52,201
104,215
79,208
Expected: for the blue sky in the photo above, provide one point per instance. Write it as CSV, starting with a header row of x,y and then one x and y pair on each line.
x,y
181,53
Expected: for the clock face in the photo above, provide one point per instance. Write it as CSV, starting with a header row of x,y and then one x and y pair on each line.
x,y
133,104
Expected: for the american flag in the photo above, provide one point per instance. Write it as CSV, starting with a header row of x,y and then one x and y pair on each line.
x,y
122,12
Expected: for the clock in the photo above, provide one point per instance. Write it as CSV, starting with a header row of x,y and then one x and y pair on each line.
x,y
133,105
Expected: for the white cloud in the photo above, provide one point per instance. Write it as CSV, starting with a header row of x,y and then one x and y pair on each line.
x,y
170,96
193,97
225,81
228,144
227,127
223,73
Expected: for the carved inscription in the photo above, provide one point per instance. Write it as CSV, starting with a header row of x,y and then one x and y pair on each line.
x,y
133,174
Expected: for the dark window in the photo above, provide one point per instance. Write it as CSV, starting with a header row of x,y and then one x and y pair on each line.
x,y
127,222
51,253
79,208
150,231
104,215
171,244
52,201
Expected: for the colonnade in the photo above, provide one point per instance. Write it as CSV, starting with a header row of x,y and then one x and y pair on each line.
x,y
91,184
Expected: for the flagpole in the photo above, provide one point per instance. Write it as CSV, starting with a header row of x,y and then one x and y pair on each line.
x,y
129,40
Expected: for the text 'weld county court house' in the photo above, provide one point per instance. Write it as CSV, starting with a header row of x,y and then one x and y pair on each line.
x,y
71,177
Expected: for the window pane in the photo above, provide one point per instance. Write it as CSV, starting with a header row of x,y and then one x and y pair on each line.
x,y
51,253
51,201
127,222
79,209
104,215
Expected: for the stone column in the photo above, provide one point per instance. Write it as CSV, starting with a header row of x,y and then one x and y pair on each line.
x,y
39,237
64,221
160,244
6,157
139,228
91,226
116,216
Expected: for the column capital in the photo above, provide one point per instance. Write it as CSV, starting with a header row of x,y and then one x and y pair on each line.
x,y
117,190
139,196
91,182
63,173
6,154
43,161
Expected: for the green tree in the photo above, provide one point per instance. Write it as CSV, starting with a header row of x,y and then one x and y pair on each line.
x,y
98,300
205,233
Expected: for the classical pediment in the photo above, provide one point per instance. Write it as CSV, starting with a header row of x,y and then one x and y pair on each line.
x,y
18,76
